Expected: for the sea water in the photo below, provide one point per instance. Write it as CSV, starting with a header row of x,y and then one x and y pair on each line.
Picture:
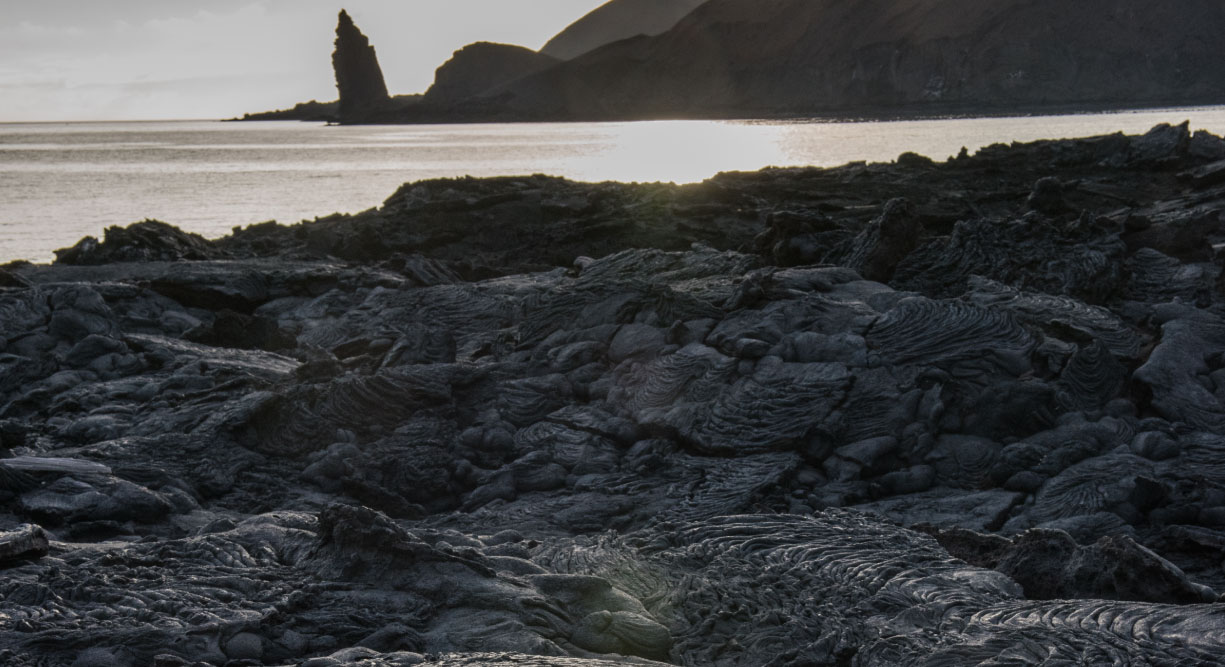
x,y
62,181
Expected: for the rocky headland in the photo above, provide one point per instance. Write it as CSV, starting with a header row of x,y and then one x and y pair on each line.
x,y
960,413
481,67
630,60
313,110
770,58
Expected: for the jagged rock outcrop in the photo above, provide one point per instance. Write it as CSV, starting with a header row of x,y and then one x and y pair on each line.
x,y
148,241
614,21
482,67
526,421
363,92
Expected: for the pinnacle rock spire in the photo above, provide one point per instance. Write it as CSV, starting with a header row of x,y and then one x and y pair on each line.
x,y
358,76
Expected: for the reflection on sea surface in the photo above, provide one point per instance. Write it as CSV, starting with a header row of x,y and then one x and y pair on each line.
x,y
64,181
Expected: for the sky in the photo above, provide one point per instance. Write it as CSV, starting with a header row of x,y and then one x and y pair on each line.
x,y
165,59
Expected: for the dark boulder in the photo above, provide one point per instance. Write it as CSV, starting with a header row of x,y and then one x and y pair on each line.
x,y
1047,197
877,251
148,241
1051,566
10,279
242,331
26,542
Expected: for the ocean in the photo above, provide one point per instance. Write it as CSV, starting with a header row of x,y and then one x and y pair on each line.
x,y
62,181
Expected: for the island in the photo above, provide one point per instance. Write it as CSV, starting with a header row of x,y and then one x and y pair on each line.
x,y
737,59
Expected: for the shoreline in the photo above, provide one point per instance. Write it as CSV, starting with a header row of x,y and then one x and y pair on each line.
x,y
477,192
848,115
814,140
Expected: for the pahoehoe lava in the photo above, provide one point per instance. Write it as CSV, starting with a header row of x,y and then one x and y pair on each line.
x,y
940,413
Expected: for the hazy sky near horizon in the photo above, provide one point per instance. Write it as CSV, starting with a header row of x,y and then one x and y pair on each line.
x,y
156,59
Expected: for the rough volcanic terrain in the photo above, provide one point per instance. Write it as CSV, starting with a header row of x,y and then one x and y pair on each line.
x,y
957,413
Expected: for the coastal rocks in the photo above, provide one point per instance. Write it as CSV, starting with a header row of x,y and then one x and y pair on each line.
x,y
76,501
876,252
773,408
26,542
979,511
1061,316
10,279
1047,197
1160,145
148,241
1050,565
552,422
358,76
1185,238
1173,370
1083,259
624,633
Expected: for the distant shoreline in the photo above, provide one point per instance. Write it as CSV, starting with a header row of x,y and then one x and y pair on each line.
x,y
947,112
202,182
849,116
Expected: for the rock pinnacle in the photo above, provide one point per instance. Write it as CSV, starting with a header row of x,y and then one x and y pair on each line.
x,y
358,76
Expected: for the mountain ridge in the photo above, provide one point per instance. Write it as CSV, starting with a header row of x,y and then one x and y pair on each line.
x,y
734,57
616,20
841,58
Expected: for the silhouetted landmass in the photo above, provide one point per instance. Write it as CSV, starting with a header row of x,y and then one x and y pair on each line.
x,y
960,413
752,58
617,20
359,79
798,58
484,67
308,111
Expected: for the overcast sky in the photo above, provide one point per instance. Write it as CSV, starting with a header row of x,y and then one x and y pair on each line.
x,y
154,59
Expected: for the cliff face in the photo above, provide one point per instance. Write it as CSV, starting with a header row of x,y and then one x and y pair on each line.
x,y
770,57
481,67
617,20
358,76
